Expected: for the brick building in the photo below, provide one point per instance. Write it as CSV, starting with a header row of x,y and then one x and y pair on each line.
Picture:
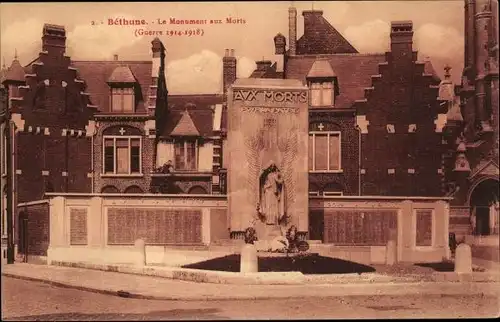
x,y
102,127
375,119
376,127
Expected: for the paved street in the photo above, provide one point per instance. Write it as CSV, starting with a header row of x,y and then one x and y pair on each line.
x,y
26,300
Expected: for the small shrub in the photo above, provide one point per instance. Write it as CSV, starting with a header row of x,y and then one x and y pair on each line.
x,y
250,235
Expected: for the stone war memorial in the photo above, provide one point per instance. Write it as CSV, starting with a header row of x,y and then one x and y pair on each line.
x,y
267,170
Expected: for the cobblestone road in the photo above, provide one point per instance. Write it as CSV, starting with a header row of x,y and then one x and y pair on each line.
x,y
26,300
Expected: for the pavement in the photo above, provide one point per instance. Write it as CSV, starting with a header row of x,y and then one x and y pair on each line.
x,y
153,287
35,301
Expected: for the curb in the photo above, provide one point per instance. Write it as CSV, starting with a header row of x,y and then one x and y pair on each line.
x,y
196,275
126,294
281,278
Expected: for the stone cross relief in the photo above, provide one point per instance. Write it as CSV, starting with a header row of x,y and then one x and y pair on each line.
x,y
122,131
321,126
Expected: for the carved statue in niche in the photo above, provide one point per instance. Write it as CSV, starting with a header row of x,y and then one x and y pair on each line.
x,y
271,205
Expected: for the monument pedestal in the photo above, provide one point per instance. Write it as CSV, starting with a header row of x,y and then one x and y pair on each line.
x,y
268,133
266,234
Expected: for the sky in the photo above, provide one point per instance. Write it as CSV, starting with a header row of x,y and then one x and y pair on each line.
x,y
194,63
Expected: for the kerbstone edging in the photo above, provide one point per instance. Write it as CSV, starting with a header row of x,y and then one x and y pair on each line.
x,y
196,275
279,278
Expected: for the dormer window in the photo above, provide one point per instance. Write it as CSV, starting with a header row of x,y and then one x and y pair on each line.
x,y
323,85
122,95
122,100
186,144
186,154
322,94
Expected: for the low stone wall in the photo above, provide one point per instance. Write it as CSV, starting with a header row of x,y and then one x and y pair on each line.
x,y
359,228
102,228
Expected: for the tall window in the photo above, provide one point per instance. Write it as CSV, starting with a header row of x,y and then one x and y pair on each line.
x,y
322,94
324,151
122,155
122,100
186,155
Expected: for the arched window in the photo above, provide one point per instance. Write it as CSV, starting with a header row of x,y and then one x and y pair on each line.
x,y
133,189
197,190
110,189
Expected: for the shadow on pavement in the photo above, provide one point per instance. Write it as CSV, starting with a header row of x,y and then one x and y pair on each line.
x,y
440,267
311,264
176,314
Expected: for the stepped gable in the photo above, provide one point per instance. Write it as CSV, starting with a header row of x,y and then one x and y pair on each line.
x,y
353,72
320,37
96,75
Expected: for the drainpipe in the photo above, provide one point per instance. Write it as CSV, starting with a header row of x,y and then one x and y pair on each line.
x,y
10,189
92,163
359,159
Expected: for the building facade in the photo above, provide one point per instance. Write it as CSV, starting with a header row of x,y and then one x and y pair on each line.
x,y
472,132
361,106
376,126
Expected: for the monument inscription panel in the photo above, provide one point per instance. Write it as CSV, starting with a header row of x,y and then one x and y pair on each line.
x,y
267,147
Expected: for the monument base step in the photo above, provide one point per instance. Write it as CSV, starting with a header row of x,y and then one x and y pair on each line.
x,y
228,242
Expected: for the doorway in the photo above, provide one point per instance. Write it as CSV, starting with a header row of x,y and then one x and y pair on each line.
x,y
484,195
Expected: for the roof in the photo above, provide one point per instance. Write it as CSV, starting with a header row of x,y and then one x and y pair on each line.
x,y
185,126
122,74
3,72
199,100
321,69
97,73
269,71
353,72
429,69
200,111
320,37
15,72
251,82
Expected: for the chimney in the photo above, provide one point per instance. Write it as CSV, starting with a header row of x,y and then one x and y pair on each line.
x,y
402,39
228,69
115,57
157,49
312,20
292,30
54,39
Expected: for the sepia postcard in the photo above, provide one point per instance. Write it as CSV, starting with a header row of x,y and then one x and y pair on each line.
x,y
249,160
